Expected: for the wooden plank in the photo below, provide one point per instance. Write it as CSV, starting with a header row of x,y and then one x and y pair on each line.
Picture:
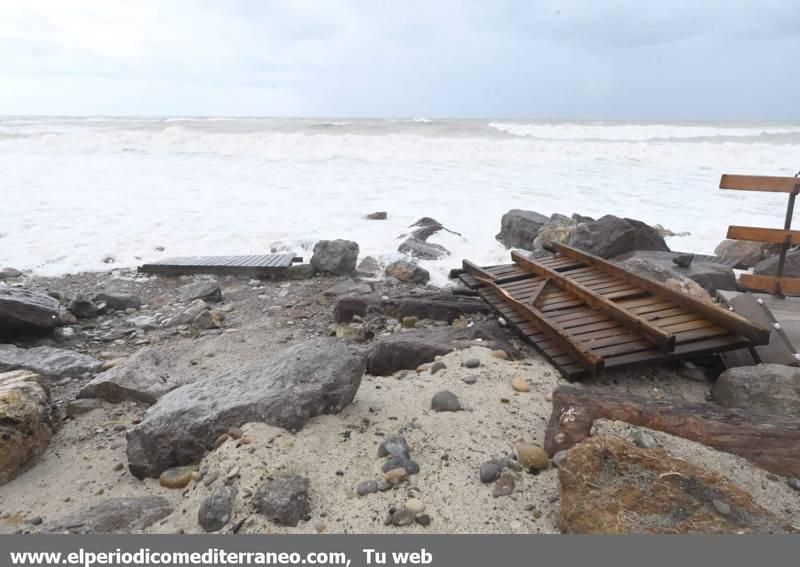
x,y
768,235
759,183
769,284
662,339
756,333
553,330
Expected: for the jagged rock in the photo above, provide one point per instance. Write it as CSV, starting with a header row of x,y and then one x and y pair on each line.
x,y
379,215
114,515
660,266
748,253
408,272
25,425
368,267
559,231
396,446
611,236
25,311
348,287
144,377
208,320
435,306
83,308
772,389
610,486
519,229
406,351
337,257
665,232
118,301
188,315
320,376
769,266
207,290
283,500
216,510
49,362
418,248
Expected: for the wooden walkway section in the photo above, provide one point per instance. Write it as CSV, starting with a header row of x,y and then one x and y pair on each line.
x,y
587,314
270,265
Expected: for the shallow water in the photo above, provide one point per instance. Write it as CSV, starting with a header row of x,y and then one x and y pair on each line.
x,y
75,191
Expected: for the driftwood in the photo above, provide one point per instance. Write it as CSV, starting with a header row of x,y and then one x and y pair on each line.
x,y
439,307
770,442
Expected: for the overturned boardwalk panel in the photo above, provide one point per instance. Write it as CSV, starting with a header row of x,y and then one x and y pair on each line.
x,y
586,314
266,265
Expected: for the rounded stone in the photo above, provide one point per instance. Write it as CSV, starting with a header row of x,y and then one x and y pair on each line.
x,y
396,476
532,456
410,322
490,471
437,366
415,505
644,440
472,363
176,477
501,354
367,487
520,385
445,401
403,517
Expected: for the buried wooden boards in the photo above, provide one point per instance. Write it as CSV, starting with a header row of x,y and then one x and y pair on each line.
x,y
587,315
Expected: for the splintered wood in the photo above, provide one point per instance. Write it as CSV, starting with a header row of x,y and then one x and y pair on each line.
x,y
586,314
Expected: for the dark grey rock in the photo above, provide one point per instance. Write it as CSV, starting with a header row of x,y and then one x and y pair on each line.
x,y
772,389
379,215
403,517
144,377
490,471
748,253
445,401
518,228
683,260
337,257
793,483
300,272
49,362
423,250
408,272
283,500
434,306
114,515
7,273
368,267
472,363
769,266
207,290
423,520
658,265
611,236
410,465
27,312
83,308
118,301
367,487
217,509
437,366
395,445
320,376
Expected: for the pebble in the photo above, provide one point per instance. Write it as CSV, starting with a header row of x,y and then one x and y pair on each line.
x,y
558,457
532,456
119,467
415,505
367,487
233,473
176,477
423,520
445,401
722,507
37,520
395,476
220,440
209,479
793,482
469,380
197,476
504,486
403,517
396,446
410,322
520,385
235,432
320,528
644,440
501,354
471,363
437,366
490,471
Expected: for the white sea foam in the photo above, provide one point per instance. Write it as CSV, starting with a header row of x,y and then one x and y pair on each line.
x,y
76,191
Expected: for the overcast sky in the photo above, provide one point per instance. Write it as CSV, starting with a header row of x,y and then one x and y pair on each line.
x,y
582,59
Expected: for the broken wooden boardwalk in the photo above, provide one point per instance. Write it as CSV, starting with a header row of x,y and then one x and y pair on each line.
x,y
267,265
586,314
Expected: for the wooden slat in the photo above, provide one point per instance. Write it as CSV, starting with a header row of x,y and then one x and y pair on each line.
x,y
769,284
756,333
662,339
768,235
759,183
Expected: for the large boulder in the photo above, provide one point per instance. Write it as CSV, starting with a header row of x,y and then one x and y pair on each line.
x,y
611,236
27,312
114,515
769,266
337,257
518,228
320,376
406,351
144,377
766,388
747,252
658,265
50,362
610,486
408,272
25,425
206,290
